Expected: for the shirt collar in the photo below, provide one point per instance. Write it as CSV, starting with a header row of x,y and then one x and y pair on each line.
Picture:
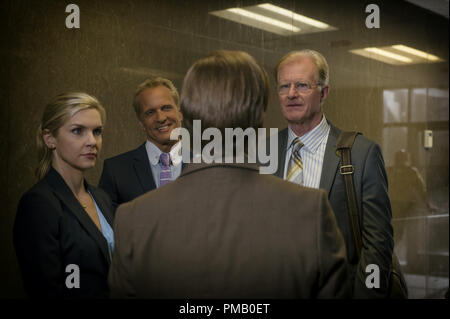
x,y
154,153
313,138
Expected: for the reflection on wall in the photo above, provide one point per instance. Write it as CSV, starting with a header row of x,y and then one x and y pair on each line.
x,y
395,106
417,188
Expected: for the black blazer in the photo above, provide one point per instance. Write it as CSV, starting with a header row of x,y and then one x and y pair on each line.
x,y
52,231
371,186
127,176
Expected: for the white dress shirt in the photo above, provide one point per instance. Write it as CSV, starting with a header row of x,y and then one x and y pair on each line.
x,y
312,153
153,153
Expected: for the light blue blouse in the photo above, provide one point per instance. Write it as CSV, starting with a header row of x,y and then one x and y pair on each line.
x,y
107,230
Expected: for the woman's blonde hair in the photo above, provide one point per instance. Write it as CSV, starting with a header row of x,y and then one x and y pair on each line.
x,y
60,109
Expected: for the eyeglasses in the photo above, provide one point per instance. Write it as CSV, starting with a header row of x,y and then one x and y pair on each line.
x,y
299,87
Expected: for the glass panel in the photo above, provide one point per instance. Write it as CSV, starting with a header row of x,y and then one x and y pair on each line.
x,y
438,174
395,105
437,102
429,105
418,105
422,245
394,139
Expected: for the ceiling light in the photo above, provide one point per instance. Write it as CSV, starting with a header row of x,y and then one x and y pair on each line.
x,y
416,52
398,54
264,19
293,15
389,54
273,19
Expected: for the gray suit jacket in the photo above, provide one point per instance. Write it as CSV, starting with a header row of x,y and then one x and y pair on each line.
x,y
225,231
373,202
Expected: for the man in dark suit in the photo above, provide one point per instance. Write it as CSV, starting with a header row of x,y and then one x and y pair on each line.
x,y
222,230
302,80
129,175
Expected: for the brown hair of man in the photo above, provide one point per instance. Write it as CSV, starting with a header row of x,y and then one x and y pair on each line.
x,y
225,89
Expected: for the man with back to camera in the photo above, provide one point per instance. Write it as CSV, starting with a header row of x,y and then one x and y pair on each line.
x,y
157,161
222,230
302,84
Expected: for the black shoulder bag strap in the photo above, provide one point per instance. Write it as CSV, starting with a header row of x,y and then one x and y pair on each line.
x,y
398,288
343,150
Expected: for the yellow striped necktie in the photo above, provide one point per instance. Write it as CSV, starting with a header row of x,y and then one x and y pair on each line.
x,y
296,164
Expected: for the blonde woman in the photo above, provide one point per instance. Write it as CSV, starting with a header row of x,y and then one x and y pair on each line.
x,y
63,233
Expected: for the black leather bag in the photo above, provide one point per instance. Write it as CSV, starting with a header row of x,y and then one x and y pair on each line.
x,y
397,285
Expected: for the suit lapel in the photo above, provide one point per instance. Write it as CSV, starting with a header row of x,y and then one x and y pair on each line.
x,y
282,144
63,192
107,213
330,161
104,207
143,170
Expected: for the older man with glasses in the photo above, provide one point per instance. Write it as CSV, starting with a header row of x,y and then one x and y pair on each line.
x,y
307,156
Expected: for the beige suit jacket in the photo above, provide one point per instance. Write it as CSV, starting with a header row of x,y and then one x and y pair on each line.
x,y
226,231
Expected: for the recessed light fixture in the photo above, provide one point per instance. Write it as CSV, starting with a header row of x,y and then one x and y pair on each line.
x,y
258,17
295,16
420,54
398,54
389,55
274,19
